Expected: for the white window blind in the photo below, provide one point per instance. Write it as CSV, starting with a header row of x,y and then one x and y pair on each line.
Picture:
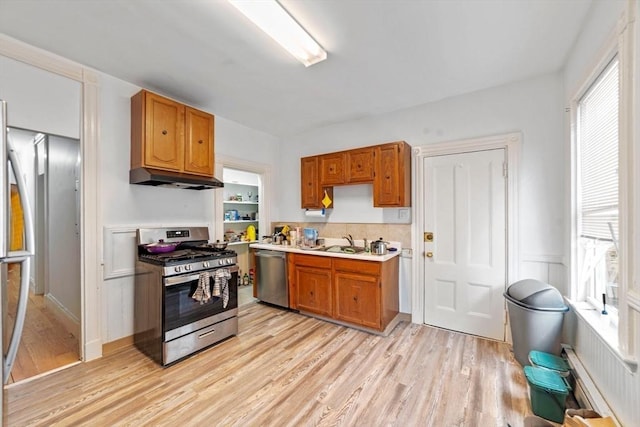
x,y
598,156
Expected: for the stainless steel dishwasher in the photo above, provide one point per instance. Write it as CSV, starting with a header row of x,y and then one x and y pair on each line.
x,y
272,277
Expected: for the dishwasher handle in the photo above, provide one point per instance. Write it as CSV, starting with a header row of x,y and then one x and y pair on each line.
x,y
270,254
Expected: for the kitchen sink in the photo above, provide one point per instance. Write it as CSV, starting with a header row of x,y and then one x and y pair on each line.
x,y
345,249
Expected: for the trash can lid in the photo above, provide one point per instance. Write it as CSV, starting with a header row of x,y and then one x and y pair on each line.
x,y
545,379
535,294
549,361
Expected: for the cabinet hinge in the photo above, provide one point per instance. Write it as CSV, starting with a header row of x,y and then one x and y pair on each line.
x,y
505,169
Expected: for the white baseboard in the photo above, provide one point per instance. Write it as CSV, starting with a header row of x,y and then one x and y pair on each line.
x,y
70,322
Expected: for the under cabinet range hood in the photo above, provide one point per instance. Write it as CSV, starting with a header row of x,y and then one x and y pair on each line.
x,y
162,178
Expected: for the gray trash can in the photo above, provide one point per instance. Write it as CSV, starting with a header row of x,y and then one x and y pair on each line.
x,y
536,312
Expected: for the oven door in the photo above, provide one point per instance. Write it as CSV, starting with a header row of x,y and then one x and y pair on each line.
x,y
180,309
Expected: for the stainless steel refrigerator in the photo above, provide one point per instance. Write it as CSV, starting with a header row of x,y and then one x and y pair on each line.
x,y
11,176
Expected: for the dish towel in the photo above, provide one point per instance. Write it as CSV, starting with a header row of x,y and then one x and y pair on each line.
x,y
221,285
203,292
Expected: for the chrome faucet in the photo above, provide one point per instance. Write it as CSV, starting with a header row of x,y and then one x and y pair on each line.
x,y
349,239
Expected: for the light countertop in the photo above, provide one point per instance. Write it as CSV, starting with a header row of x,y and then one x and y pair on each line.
x,y
365,256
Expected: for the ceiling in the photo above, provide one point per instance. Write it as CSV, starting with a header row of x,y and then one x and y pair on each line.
x,y
383,55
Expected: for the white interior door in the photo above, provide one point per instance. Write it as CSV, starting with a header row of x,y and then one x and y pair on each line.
x,y
465,209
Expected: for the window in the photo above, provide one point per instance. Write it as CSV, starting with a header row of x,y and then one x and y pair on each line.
x,y
597,189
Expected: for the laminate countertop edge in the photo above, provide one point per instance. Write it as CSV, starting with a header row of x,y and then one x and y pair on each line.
x,y
317,252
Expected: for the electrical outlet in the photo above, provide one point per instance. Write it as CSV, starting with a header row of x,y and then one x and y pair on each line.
x,y
403,214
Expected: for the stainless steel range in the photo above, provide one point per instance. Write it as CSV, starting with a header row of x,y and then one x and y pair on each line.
x,y
186,299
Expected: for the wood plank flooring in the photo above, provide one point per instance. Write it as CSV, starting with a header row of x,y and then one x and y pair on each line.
x,y
46,344
285,369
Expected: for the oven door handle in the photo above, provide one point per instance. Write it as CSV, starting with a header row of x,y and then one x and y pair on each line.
x,y
172,281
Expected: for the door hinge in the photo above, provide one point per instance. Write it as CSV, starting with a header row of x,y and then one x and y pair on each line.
x,y
505,169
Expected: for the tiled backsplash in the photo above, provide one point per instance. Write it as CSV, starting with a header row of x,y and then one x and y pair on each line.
x,y
396,232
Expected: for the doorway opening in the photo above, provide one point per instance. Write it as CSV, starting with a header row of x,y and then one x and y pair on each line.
x,y
51,334
242,215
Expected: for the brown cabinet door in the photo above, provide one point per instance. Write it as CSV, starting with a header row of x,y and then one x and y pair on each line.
x,y
314,290
360,165
332,169
357,299
392,183
164,131
310,188
199,156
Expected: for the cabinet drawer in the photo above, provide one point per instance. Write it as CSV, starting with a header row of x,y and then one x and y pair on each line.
x,y
363,267
313,261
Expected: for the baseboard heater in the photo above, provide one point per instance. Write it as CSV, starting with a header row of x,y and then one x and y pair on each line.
x,y
585,391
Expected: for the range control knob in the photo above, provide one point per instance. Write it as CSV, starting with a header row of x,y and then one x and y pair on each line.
x,y
221,262
177,269
205,264
187,267
229,261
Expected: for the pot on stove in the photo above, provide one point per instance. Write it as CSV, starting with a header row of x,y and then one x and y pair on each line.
x,y
160,247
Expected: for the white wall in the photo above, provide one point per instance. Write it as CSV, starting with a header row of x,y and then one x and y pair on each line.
x,y
39,100
533,107
127,207
63,209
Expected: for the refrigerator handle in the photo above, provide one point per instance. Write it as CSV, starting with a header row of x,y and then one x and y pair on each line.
x,y
24,258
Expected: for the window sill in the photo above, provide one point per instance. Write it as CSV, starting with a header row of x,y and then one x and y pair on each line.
x,y
605,327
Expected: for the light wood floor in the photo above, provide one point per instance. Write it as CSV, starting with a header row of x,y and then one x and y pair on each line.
x,y
46,344
285,369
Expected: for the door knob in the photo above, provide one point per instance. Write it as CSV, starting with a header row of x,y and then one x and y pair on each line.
x,y
429,254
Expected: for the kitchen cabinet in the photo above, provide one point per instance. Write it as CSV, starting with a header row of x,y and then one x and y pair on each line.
x,y
312,276
332,169
360,165
386,166
199,156
357,299
392,182
358,292
168,135
311,190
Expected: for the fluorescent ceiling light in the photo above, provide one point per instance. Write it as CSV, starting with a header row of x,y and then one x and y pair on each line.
x,y
271,18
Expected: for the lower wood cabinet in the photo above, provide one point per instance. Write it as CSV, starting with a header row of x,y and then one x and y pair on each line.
x,y
362,293
357,299
314,290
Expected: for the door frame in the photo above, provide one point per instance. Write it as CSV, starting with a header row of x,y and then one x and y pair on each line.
x,y
510,142
90,217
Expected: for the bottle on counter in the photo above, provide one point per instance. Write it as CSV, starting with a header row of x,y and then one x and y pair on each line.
x,y
245,279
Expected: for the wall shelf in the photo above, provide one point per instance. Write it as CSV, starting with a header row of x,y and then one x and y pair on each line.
x,y
237,202
241,221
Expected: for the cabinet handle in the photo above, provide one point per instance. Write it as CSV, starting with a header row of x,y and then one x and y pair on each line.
x,y
164,132
200,141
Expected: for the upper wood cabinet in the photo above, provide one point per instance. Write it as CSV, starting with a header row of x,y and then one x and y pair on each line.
x,y
392,182
199,155
310,183
360,165
168,135
387,166
311,190
332,169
